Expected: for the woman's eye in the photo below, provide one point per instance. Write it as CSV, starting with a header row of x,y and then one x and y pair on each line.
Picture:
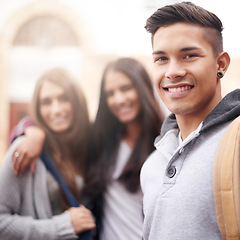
x,y
126,88
45,101
64,98
108,94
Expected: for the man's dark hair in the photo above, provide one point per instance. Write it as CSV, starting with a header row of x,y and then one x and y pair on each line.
x,y
187,12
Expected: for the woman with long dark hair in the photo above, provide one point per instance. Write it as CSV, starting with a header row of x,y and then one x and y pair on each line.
x,y
34,206
127,121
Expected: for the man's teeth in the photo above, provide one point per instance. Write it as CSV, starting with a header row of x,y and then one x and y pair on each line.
x,y
179,89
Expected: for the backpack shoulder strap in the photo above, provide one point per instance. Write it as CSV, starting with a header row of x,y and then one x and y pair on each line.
x,y
87,235
58,177
226,182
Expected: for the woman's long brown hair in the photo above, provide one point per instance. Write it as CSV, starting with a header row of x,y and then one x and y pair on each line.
x,y
108,129
107,132
68,150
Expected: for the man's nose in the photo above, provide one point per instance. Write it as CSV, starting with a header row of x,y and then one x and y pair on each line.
x,y
175,70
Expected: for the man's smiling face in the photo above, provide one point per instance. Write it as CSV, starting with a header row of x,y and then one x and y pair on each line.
x,y
185,69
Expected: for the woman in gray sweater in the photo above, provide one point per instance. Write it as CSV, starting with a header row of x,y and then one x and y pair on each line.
x,y
32,206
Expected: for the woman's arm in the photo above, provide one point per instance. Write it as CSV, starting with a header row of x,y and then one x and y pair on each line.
x,y
19,199
19,129
21,203
29,150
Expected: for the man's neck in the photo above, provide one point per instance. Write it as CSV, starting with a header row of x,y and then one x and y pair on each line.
x,y
188,124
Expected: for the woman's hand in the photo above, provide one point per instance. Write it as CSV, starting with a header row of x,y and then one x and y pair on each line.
x,y
82,219
29,150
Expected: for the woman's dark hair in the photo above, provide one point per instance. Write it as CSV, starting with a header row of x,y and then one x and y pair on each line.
x,y
108,129
187,12
69,149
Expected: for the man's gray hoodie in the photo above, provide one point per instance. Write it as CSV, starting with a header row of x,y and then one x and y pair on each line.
x,y
177,178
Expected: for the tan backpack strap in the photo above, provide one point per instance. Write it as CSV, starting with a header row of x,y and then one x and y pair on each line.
x,y
226,182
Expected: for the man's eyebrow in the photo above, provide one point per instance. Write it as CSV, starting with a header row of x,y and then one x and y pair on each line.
x,y
186,49
158,52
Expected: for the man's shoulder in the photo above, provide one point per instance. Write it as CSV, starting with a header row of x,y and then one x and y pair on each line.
x,y
155,155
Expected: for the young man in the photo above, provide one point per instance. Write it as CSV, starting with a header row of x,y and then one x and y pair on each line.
x,y
177,179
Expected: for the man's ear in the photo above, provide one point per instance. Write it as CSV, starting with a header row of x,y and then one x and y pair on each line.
x,y
223,62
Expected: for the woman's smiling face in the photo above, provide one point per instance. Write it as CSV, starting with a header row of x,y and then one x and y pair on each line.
x,y
55,107
122,97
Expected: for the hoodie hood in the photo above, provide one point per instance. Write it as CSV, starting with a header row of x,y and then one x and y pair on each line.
x,y
226,110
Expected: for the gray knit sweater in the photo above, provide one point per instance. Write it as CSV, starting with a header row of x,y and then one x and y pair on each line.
x,y
25,210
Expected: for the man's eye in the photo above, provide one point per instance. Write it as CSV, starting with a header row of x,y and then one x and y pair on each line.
x,y
188,56
161,59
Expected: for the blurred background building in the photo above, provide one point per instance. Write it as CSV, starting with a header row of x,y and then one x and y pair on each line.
x,y
82,36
